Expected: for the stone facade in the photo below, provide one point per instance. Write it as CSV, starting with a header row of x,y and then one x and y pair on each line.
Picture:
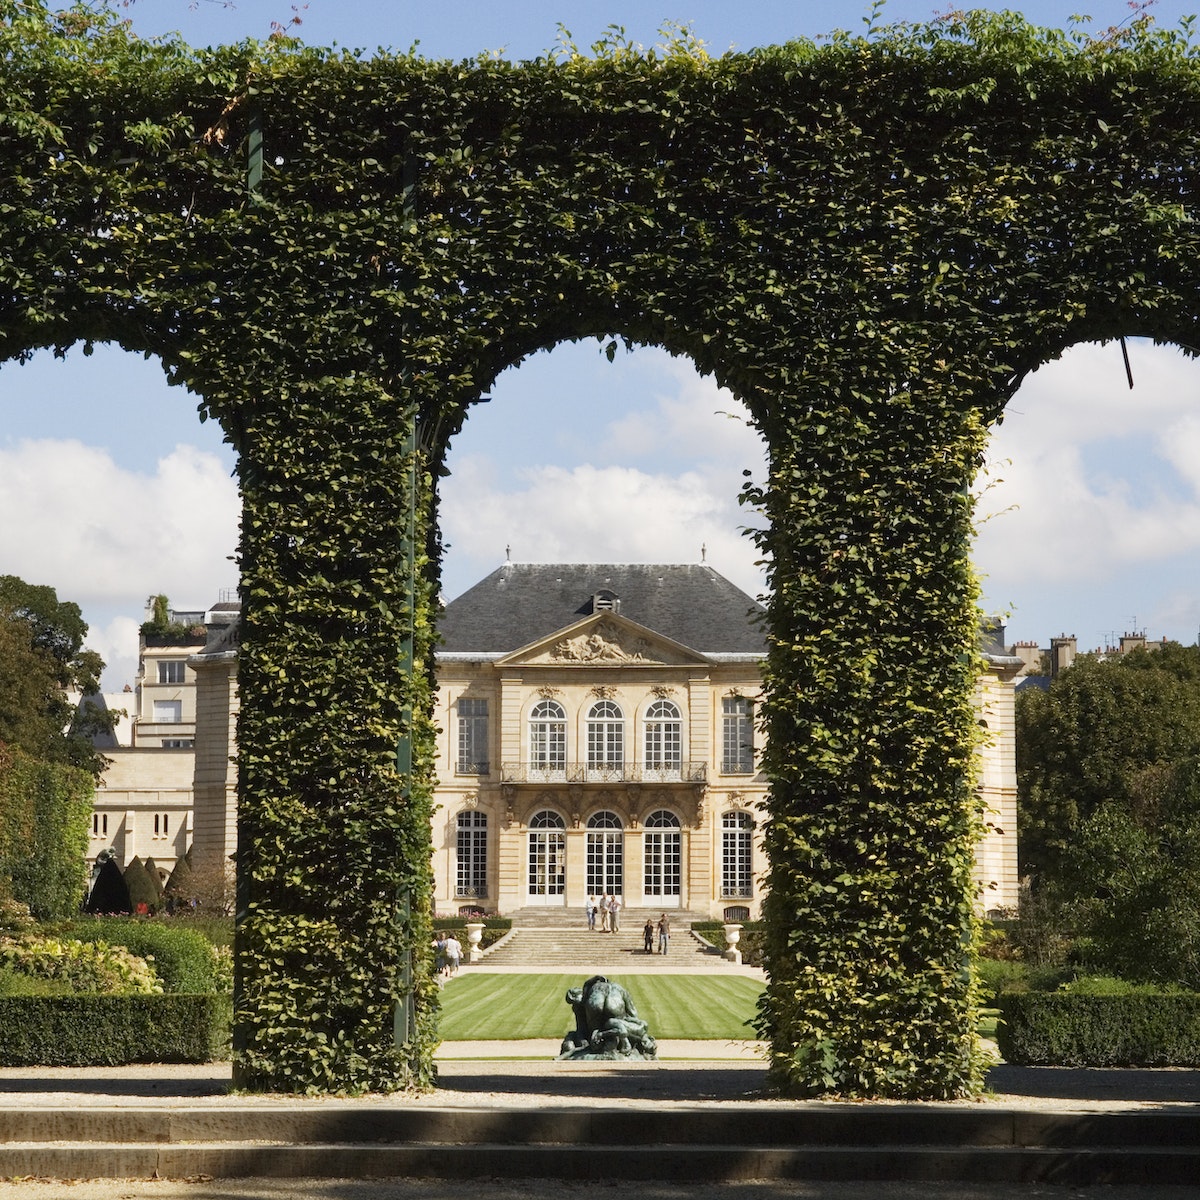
x,y
597,734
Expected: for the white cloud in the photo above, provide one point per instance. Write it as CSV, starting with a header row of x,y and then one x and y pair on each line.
x,y
106,537
1095,479
596,514
692,418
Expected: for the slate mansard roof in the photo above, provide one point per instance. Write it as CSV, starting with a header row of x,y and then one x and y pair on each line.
x,y
522,602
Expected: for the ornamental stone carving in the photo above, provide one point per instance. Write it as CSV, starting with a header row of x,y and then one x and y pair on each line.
x,y
604,643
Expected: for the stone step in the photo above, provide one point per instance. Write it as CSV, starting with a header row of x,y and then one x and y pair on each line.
x,y
733,1142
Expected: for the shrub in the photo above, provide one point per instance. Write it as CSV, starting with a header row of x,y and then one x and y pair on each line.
x,y
109,893
998,975
82,1031
143,895
1089,1030
79,966
184,959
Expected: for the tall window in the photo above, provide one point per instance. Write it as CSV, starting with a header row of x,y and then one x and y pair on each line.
x,y
661,857
548,739
472,736
472,854
605,854
547,857
605,740
736,854
170,670
737,736
663,740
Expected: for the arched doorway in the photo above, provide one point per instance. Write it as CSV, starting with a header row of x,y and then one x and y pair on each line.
x,y
605,855
662,860
547,860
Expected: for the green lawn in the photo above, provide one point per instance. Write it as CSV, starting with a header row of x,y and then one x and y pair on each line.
x,y
506,1007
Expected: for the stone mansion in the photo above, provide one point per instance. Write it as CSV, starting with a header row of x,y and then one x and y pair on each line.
x,y
597,735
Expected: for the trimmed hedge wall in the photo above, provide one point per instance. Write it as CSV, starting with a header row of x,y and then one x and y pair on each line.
x,y
107,1031
111,1031
182,958
1057,1029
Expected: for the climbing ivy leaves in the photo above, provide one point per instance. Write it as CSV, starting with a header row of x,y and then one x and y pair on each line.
x,y
870,241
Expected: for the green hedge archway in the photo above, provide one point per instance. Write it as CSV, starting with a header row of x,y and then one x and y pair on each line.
x,y
869,242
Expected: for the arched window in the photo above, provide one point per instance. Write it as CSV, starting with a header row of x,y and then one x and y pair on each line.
x,y
737,842
547,858
661,846
548,740
605,741
471,878
605,855
663,742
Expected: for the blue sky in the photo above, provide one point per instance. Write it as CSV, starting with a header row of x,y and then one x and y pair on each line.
x,y
111,489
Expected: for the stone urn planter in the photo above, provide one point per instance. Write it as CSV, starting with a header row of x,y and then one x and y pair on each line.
x,y
733,935
474,934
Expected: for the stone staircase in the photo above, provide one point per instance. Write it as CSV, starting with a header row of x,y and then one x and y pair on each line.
x,y
561,943
943,1145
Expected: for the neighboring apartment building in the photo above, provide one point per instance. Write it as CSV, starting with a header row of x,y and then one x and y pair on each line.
x,y
598,735
143,806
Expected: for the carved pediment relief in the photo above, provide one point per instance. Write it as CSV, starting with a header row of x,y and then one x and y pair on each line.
x,y
605,641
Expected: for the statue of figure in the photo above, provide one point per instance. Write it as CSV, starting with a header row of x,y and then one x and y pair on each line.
x,y
606,1024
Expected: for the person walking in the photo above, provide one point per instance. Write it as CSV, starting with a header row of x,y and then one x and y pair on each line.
x,y
648,935
615,909
604,913
453,955
664,934
590,908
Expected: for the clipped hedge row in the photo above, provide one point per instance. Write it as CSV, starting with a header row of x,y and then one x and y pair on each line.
x,y
108,1031
182,958
1044,1029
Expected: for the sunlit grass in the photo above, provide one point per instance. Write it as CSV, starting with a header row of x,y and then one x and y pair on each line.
x,y
509,1007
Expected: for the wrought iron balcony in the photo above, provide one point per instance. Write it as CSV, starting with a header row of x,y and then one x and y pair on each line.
x,y
627,772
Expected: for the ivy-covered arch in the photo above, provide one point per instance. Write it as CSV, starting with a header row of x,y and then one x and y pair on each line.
x,y
869,242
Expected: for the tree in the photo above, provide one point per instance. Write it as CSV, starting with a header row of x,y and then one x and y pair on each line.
x,y
109,893
42,661
1105,733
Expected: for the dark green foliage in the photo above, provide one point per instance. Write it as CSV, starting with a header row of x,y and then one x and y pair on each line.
x,y
95,1031
178,886
1105,734
45,808
143,895
42,659
870,242
109,893
1082,1030
182,957
152,874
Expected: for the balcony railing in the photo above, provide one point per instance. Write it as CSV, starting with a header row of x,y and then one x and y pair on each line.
x,y
571,772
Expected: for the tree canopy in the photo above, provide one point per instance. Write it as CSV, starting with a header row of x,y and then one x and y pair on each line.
x,y
1105,733
44,670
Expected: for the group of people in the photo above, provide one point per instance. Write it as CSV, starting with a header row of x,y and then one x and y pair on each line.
x,y
664,934
604,913
447,954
